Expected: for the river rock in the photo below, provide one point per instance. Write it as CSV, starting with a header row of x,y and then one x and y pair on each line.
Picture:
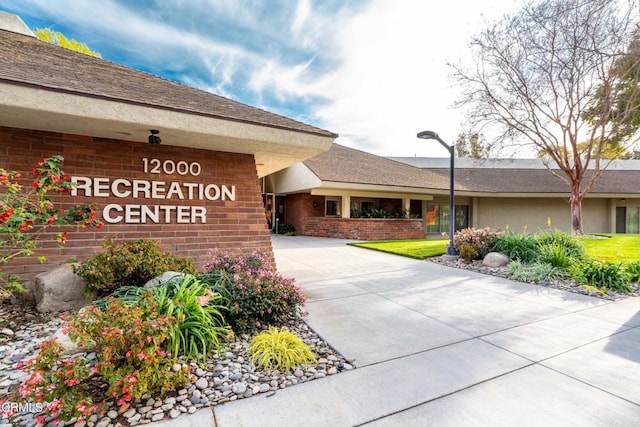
x,y
495,259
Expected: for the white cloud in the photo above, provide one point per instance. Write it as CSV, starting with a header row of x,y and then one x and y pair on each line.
x,y
393,80
373,71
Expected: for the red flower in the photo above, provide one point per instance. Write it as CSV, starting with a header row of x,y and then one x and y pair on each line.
x,y
36,184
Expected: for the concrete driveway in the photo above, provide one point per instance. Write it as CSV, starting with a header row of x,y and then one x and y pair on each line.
x,y
440,346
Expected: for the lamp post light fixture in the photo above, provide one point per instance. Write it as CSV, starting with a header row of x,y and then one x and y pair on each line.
x,y
428,134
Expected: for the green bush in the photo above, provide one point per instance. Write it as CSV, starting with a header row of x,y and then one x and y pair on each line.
x,y
130,263
604,276
199,327
279,349
633,271
522,247
467,252
534,272
474,240
257,295
572,247
555,255
287,229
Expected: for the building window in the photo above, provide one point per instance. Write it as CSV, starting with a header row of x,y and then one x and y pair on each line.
x,y
628,219
332,207
437,217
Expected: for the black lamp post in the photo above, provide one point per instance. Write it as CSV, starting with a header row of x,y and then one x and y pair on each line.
x,y
428,134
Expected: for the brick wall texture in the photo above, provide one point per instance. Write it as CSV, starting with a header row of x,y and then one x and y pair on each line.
x,y
238,225
310,221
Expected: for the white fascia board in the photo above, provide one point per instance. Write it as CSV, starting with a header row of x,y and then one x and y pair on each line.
x,y
370,190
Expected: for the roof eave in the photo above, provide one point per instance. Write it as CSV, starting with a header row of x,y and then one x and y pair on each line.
x,y
274,148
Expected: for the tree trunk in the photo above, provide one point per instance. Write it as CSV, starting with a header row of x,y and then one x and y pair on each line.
x,y
576,212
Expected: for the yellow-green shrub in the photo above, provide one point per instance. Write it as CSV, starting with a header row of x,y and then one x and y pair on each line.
x,y
279,349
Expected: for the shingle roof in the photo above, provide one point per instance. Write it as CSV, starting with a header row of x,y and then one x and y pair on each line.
x,y
343,164
29,61
540,181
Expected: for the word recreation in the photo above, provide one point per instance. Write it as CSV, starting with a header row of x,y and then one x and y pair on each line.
x,y
114,213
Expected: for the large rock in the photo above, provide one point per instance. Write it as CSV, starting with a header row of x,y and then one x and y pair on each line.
x,y
495,259
59,290
167,276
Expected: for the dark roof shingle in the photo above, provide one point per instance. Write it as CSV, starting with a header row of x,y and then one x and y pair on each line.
x,y
28,61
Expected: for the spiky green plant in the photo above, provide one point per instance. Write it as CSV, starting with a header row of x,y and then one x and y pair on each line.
x,y
605,276
523,247
279,349
533,273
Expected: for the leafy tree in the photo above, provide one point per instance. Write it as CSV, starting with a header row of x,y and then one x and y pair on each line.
x,y
472,144
625,111
540,75
57,38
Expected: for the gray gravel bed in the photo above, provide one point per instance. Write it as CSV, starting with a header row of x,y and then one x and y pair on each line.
x,y
224,378
564,285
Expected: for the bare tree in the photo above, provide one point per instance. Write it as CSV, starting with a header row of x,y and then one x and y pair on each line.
x,y
539,76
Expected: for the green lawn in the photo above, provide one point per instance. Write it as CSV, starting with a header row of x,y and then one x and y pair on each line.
x,y
609,247
613,247
419,249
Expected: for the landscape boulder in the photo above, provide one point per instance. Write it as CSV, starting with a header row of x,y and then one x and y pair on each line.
x,y
167,276
495,259
59,290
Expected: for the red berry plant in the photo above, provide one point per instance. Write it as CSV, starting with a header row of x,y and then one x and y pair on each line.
x,y
27,213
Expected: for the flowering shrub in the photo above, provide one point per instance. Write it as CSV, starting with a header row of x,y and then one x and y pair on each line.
x,y
130,263
27,212
257,295
477,242
129,357
200,325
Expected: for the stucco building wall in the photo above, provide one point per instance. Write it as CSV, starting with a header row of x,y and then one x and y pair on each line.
x,y
532,213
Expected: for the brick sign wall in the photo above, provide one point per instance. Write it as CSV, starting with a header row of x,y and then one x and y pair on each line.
x,y
189,200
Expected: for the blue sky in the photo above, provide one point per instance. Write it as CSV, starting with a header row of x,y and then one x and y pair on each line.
x,y
373,71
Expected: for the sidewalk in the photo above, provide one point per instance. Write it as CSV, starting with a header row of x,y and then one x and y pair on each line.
x,y
441,346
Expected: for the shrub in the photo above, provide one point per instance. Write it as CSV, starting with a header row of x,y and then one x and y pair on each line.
x,y
479,239
534,273
467,252
633,271
199,327
572,247
279,349
287,229
555,255
130,263
127,342
605,276
257,295
523,247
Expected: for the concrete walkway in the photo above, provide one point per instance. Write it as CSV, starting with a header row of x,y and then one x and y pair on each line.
x,y
441,346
